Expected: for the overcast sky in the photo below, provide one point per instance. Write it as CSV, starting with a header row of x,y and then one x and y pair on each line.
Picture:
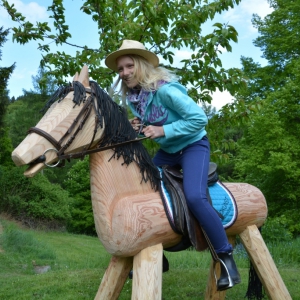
x,y
84,32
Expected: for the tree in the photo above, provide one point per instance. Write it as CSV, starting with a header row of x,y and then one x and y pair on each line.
x,y
209,110
162,25
279,40
269,152
227,126
23,114
5,72
78,185
43,83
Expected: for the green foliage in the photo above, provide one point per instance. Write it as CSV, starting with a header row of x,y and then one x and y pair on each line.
x,y
275,230
227,126
269,152
5,142
6,148
151,146
260,81
164,26
5,73
23,114
279,35
78,185
43,83
35,201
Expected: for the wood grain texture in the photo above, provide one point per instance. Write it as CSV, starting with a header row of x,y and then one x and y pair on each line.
x,y
147,274
56,122
129,215
119,202
114,278
264,264
251,205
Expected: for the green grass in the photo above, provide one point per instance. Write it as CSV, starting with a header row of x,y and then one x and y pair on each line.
x,y
78,263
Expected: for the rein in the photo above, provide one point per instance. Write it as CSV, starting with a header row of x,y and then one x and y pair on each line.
x,y
83,153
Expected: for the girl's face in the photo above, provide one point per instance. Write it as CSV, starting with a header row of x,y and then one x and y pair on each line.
x,y
126,69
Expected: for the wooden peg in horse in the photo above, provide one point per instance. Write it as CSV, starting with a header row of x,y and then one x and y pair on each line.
x,y
130,218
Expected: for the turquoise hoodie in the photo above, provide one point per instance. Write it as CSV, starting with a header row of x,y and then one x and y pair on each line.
x,y
182,119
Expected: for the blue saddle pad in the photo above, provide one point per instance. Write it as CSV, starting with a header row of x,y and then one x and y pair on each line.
x,y
222,201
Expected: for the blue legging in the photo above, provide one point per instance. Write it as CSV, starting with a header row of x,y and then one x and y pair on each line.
x,y
194,161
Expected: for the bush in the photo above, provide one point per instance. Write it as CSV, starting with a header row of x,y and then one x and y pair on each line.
x,y
78,186
276,230
35,200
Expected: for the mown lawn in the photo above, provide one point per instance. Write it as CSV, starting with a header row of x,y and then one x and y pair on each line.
x,y
78,263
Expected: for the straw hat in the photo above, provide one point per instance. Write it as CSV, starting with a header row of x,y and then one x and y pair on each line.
x,y
131,47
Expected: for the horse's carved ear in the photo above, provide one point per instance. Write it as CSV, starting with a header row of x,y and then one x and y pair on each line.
x,y
75,78
84,76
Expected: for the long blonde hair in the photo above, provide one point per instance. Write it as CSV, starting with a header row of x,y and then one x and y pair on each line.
x,y
147,75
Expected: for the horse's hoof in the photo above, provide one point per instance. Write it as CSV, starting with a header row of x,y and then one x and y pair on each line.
x,y
229,273
130,275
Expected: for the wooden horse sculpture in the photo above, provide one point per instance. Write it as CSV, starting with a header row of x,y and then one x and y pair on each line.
x,y
129,216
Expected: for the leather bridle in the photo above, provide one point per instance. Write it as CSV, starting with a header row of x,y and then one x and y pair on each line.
x,y
80,120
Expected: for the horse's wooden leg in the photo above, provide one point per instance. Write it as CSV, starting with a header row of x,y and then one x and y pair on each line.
x,y
147,274
114,278
211,292
264,264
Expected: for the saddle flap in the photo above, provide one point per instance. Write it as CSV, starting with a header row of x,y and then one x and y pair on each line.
x,y
178,211
184,221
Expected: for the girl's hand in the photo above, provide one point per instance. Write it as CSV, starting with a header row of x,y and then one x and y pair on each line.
x,y
135,122
153,131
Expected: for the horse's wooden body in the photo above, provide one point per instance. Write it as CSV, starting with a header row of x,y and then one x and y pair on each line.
x,y
139,210
129,215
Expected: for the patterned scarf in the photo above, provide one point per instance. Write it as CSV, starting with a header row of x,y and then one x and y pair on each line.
x,y
140,98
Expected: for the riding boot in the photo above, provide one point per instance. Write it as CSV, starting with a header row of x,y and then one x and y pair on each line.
x,y
165,267
229,273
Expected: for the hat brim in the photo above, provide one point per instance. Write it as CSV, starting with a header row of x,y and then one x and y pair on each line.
x,y
111,59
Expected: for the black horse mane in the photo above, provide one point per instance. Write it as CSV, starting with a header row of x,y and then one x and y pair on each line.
x,y
117,128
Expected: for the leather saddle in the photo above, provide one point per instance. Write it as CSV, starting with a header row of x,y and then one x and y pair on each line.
x,y
184,221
